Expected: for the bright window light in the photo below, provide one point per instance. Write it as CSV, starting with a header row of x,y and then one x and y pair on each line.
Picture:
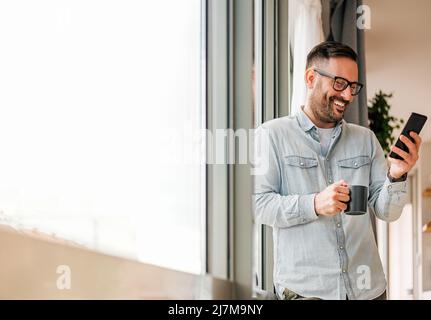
x,y
96,102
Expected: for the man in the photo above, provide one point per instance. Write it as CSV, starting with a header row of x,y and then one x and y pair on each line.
x,y
313,157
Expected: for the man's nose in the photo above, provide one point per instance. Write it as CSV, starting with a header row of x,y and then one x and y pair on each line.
x,y
347,94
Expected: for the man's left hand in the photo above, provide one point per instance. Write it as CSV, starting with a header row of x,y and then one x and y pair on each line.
x,y
400,167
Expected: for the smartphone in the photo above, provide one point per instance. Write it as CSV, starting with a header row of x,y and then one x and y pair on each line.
x,y
415,124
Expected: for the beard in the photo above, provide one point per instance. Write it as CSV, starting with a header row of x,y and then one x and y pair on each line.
x,y
328,109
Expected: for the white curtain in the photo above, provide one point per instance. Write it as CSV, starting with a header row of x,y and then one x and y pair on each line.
x,y
306,31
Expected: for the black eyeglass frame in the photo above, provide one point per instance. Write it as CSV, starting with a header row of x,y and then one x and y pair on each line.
x,y
335,78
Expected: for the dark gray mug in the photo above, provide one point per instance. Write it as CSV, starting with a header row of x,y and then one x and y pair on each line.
x,y
358,203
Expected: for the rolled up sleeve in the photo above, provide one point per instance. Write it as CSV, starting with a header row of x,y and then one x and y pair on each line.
x,y
387,199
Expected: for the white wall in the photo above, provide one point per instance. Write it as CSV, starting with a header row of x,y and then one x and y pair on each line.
x,y
398,54
398,57
426,216
401,256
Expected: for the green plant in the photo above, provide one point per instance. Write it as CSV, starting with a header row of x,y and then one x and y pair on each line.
x,y
380,122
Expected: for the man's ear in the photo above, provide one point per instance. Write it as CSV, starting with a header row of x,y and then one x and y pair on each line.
x,y
310,77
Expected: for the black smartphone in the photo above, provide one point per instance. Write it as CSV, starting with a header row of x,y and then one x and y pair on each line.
x,y
415,124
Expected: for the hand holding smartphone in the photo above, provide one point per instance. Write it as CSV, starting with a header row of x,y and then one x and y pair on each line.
x,y
415,124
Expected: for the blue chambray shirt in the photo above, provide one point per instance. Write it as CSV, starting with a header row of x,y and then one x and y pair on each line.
x,y
319,256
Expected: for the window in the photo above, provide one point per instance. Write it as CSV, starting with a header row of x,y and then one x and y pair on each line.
x,y
100,105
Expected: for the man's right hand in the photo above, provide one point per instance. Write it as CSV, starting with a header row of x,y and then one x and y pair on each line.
x,y
331,201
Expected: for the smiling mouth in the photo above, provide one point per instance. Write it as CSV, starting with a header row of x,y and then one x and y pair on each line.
x,y
340,106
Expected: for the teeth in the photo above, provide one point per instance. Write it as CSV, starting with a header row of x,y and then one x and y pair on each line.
x,y
338,103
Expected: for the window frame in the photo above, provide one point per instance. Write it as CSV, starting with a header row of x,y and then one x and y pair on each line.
x,y
274,84
217,110
229,97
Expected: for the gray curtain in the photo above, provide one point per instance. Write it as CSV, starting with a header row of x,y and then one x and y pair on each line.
x,y
339,23
339,19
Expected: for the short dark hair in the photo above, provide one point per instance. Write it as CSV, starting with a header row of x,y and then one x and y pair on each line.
x,y
330,49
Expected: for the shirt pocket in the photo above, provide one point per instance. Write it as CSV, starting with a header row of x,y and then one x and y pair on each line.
x,y
301,174
355,170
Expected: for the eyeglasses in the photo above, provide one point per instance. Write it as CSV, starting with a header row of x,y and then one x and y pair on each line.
x,y
340,84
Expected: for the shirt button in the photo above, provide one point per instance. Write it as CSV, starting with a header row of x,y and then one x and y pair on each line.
x,y
355,164
302,163
341,247
327,159
330,180
344,270
389,187
338,225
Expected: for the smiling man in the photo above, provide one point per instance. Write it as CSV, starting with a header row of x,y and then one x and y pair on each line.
x,y
314,156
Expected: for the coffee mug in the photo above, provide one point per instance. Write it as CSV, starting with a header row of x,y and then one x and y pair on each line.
x,y
358,203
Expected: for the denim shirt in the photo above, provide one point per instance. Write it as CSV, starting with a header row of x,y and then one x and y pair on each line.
x,y
319,256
